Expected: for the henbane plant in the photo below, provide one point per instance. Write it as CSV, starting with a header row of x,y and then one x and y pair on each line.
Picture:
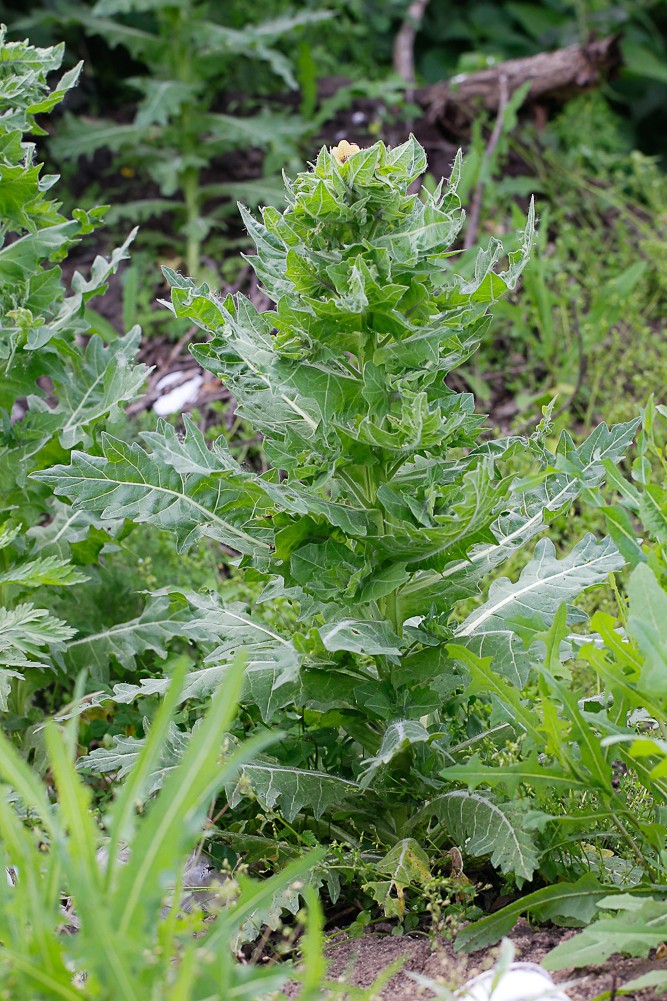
x,y
385,509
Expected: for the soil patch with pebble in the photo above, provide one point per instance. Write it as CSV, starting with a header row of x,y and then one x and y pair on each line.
x,y
359,962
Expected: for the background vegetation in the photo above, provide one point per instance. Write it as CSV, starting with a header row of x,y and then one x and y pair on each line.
x,y
414,737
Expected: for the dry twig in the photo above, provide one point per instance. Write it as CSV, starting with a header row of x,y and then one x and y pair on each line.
x,y
476,204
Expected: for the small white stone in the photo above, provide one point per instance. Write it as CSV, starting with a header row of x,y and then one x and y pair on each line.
x,y
178,398
520,982
168,380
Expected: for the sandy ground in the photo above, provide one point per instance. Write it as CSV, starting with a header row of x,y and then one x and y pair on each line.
x,y
360,962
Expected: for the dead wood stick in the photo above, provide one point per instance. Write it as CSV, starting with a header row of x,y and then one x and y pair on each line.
x,y
404,43
556,75
476,203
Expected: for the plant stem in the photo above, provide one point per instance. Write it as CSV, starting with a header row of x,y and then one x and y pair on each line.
x,y
191,195
189,175
643,862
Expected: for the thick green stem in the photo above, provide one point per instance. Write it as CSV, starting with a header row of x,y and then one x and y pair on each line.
x,y
191,195
630,841
391,610
364,733
182,69
371,479
5,563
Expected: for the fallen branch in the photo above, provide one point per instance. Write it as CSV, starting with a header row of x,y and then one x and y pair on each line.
x,y
552,75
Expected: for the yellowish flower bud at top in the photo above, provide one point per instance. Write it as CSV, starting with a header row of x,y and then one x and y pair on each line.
x,y
344,150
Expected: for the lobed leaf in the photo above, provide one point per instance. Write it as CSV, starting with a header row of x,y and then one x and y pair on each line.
x,y
483,828
127,481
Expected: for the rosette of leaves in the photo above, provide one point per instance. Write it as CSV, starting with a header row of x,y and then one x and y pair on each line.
x,y
385,509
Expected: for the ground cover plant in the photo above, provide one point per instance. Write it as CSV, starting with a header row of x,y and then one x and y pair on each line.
x,y
631,722
584,323
384,509
65,376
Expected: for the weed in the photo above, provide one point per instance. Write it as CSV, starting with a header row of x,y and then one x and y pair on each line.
x,y
382,511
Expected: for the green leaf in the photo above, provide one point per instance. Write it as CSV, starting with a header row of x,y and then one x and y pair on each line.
x,y
476,822
642,61
267,128
121,759
359,636
398,736
646,623
326,568
266,687
254,191
287,788
530,772
44,571
23,256
584,467
653,511
543,585
29,630
654,978
163,100
582,734
105,378
406,863
638,926
383,581
561,903
99,22
467,521
161,621
490,683
623,534
80,138
185,795
126,481
221,38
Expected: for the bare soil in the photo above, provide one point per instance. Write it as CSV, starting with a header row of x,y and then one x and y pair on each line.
x,y
360,962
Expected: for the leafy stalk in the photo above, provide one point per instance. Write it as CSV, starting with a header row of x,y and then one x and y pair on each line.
x,y
384,507
186,57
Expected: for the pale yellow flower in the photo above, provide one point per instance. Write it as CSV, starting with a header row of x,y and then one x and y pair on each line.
x,y
344,150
